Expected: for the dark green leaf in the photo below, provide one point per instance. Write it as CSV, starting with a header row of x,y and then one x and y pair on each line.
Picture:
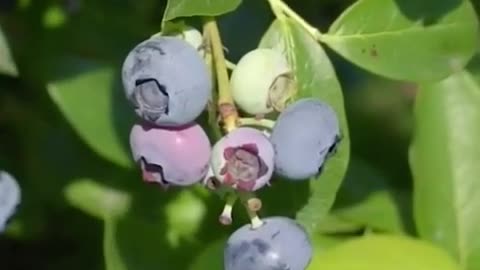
x,y
315,77
134,242
7,65
379,211
93,104
160,230
445,157
111,252
211,257
184,217
406,40
188,8
367,199
384,252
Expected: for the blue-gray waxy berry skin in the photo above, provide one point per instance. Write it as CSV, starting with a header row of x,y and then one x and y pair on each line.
x,y
10,197
167,81
279,244
305,135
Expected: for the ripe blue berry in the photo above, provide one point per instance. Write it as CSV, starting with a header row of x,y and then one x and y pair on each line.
x,y
305,134
279,244
243,159
167,81
171,156
10,196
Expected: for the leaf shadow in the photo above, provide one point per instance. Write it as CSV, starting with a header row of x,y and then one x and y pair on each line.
x,y
250,19
122,111
284,198
141,236
428,12
53,156
363,181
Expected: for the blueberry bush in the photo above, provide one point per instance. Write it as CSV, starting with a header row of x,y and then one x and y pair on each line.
x,y
239,135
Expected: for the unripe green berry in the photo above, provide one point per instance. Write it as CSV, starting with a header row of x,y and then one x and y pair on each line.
x,y
262,81
193,37
187,33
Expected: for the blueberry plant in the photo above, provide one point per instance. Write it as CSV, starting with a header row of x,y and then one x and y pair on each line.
x,y
246,164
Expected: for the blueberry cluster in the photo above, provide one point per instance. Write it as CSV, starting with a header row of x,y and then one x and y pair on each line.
x,y
169,84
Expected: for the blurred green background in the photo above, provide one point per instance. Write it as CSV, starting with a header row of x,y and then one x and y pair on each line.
x,y
69,186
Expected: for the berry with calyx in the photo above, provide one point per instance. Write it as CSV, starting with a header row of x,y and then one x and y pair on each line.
x,y
167,81
243,159
262,82
171,156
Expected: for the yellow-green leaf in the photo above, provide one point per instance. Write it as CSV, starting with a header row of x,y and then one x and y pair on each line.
x,y
406,40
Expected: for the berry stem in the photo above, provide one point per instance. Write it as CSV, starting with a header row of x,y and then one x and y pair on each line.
x,y
282,10
248,121
226,216
230,65
226,106
212,106
255,220
247,199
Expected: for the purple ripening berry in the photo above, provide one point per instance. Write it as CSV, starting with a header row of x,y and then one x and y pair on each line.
x,y
171,156
243,159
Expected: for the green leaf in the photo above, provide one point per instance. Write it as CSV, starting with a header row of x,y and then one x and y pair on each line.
x,y
379,211
134,242
161,229
97,200
111,252
445,158
54,17
94,104
211,257
189,8
406,40
7,65
322,242
384,252
367,199
333,224
315,77
184,217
